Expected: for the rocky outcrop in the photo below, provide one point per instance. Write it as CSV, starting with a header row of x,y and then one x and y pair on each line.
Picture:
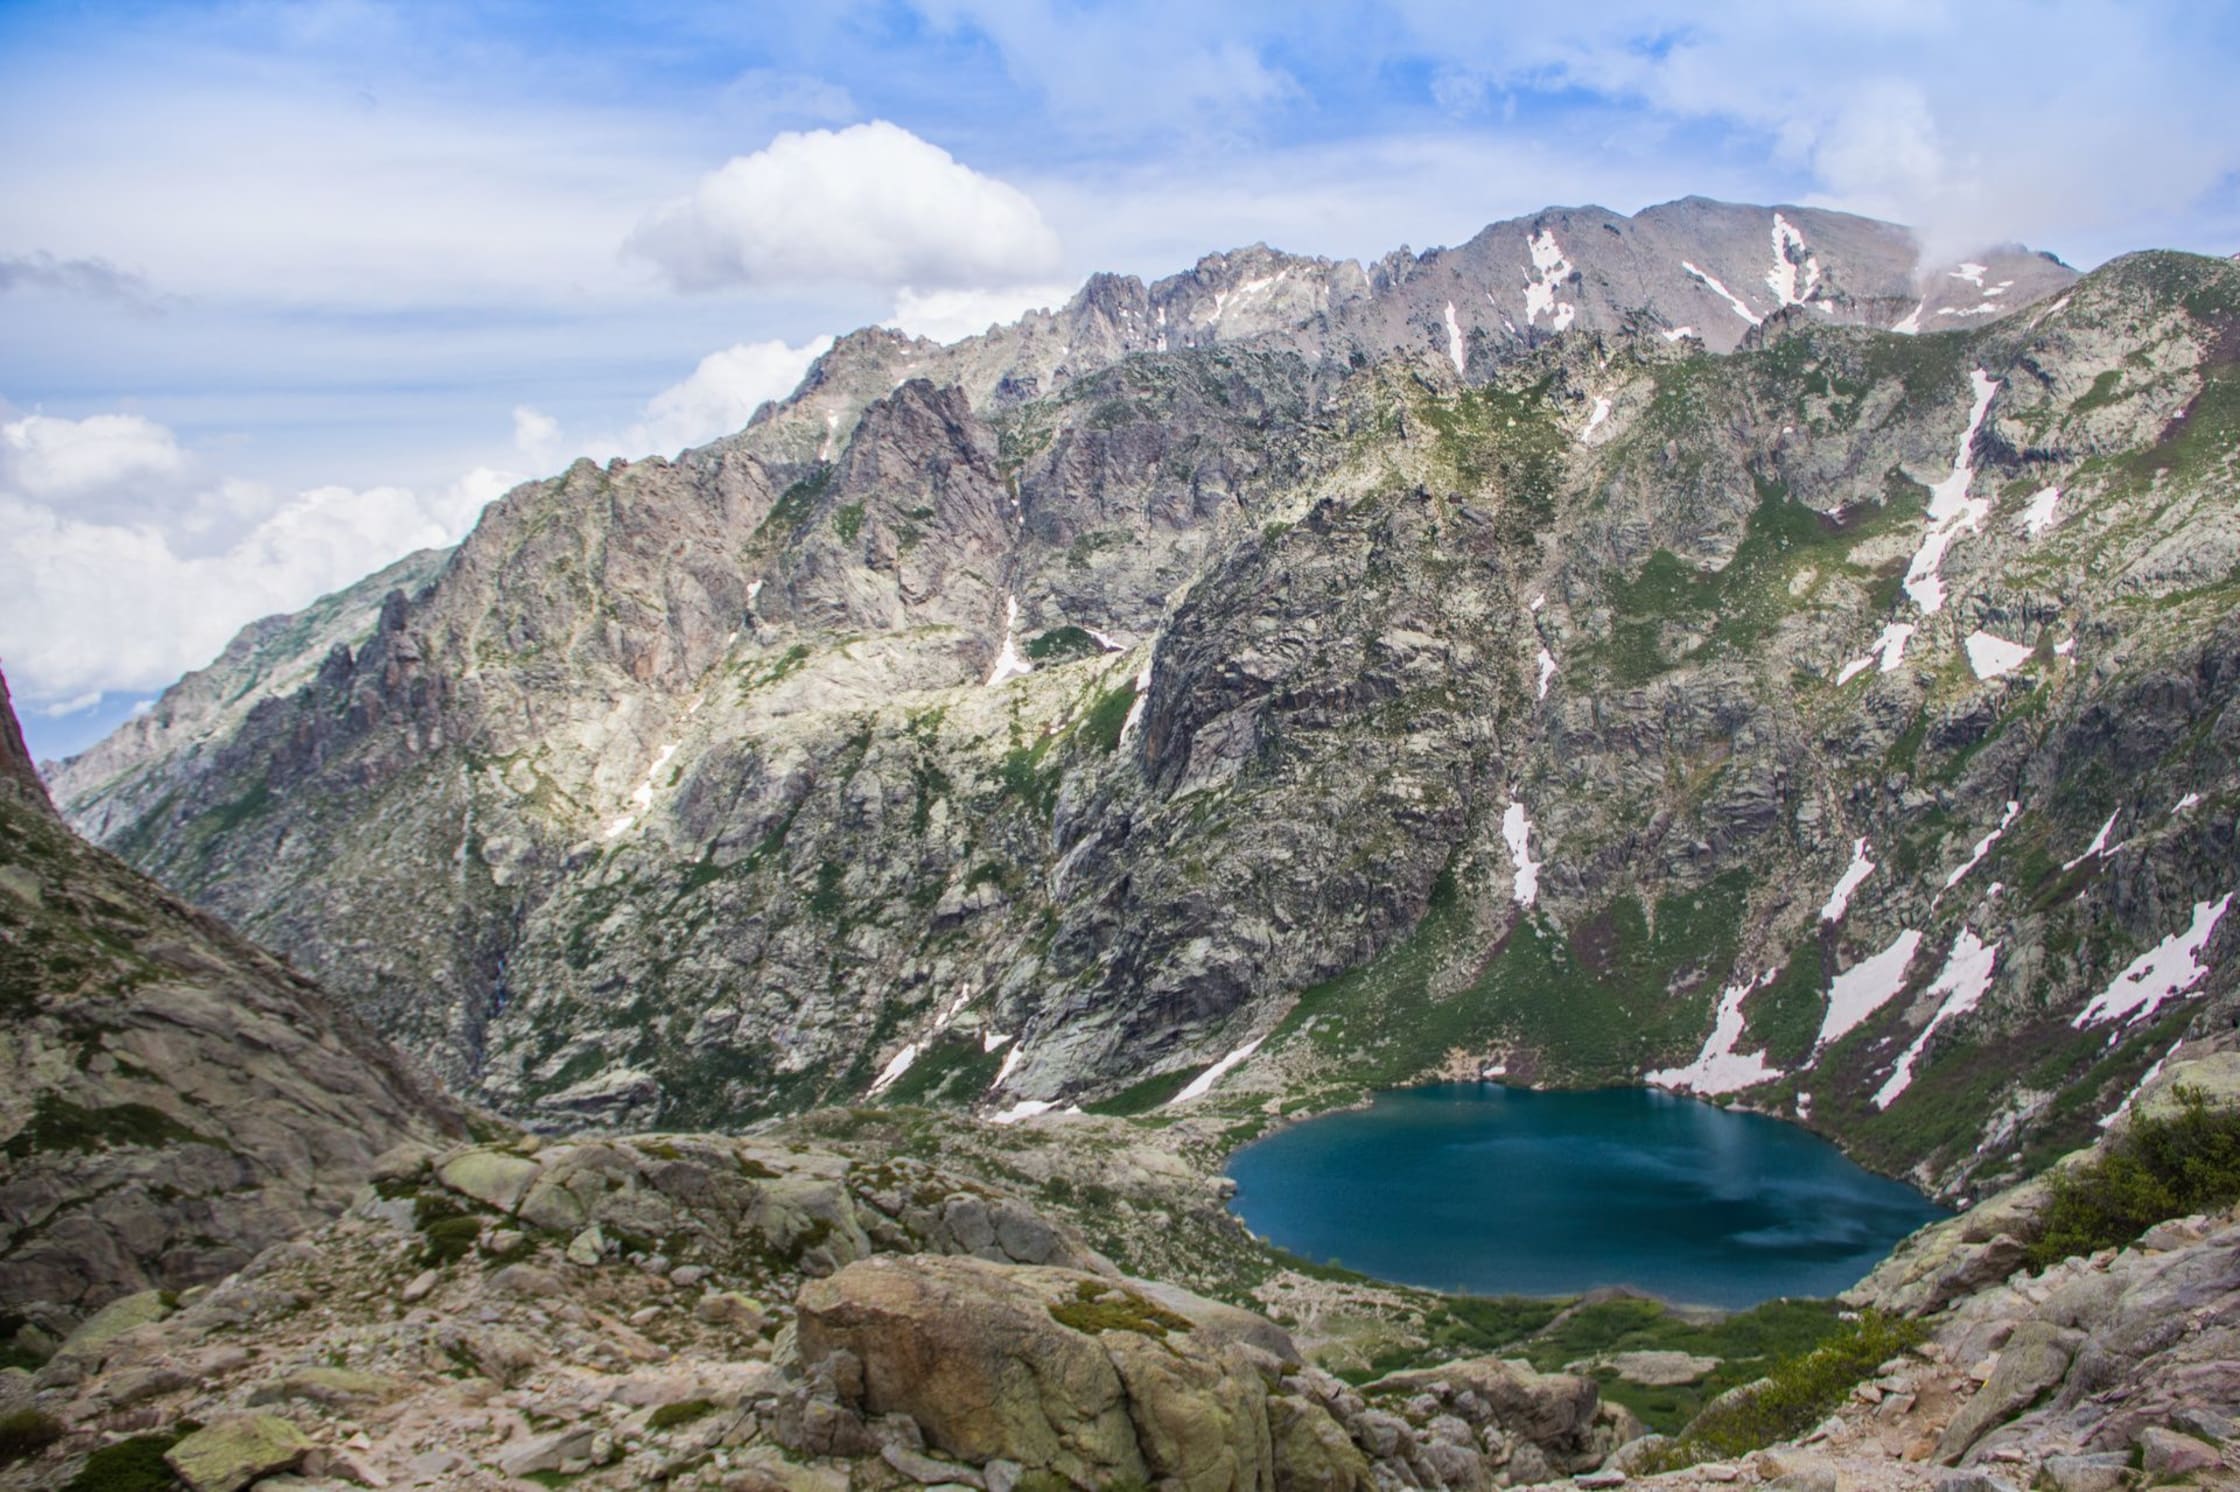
x,y
172,1099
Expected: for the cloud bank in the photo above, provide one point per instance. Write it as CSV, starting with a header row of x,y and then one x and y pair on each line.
x,y
872,203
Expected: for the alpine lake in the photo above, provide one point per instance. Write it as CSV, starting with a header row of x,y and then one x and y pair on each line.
x,y
1482,1189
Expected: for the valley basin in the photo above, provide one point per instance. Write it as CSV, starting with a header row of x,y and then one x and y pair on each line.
x,y
1483,1189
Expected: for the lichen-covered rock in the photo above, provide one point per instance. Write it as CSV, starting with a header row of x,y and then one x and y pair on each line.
x,y
232,1453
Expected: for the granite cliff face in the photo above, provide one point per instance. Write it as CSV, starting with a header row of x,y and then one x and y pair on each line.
x,y
172,1099
1605,649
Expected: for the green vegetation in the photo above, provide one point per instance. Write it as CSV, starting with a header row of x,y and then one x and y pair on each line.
x,y
2102,392
134,1465
1143,1097
847,522
1619,992
952,1070
1061,644
1798,1392
1100,728
58,1124
684,1412
25,1433
793,507
1096,1308
2160,1166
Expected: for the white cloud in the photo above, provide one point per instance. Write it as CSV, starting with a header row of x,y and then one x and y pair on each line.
x,y
100,601
536,435
949,315
872,203
46,457
719,395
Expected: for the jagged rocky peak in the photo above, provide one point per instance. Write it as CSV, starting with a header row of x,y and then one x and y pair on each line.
x,y
1358,701
19,775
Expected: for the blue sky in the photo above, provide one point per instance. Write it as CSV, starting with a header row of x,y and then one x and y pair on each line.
x,y
287,289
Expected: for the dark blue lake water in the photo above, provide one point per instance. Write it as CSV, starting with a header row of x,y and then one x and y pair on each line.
x,y
1490,1190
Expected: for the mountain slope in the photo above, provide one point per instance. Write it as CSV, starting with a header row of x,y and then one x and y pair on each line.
x,y
174,1099
1384,716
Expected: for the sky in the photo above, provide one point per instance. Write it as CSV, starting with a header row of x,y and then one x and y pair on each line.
x,y
289,290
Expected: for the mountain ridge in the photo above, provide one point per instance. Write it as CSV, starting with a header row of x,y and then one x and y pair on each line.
x,y
680,791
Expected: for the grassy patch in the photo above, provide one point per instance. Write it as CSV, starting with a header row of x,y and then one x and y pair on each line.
x,y
1095,1308
1100,728
1798,1392
684,1412
1062,644
134,1465
2161,1166
1143,1097
25,1433
58,1125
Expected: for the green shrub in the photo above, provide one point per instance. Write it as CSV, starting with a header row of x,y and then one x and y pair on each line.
x,y
2161,1166
684,1412
134,1465
449,1238
1061,644
26,1433
1797,1393
1099,1308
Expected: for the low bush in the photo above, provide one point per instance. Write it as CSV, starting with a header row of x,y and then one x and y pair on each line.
x,y
26,1433
1796,1394
2160,1166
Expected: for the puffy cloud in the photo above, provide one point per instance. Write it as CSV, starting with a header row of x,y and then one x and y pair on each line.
x,y
872,203
46,457
714,400
948,315
720,393
100,601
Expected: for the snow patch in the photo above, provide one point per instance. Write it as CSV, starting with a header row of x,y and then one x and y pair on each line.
x,y
1950,507
1962,981
1516,832
1601,413
2099,845
1983,845
1547,670
641,796
1972,272
1993,657
1203,1083
1889,648
1549,270
993,1041
1454,340
1677,333
1718,1068
1143,694
1783,279
1009,664
1010,1065
1839,900
1867,986
2168,969
2038,516
1723,293
2190,800
895,1068
1910,326
831,430
2153,1071
1025,1108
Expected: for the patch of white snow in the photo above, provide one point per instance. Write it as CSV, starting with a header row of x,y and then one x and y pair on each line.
x,y
2099,845
1867,986
1203,1083
1454,340
1723,293
1601,412
1783,279
1718,1068
895,1068
1547,670
1889,647
2038,516
1993,657
1008,662
1962,981
1678,332
1983,845
1839,900
1910,326
1549,270
2168,969
1516,832
1950,507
